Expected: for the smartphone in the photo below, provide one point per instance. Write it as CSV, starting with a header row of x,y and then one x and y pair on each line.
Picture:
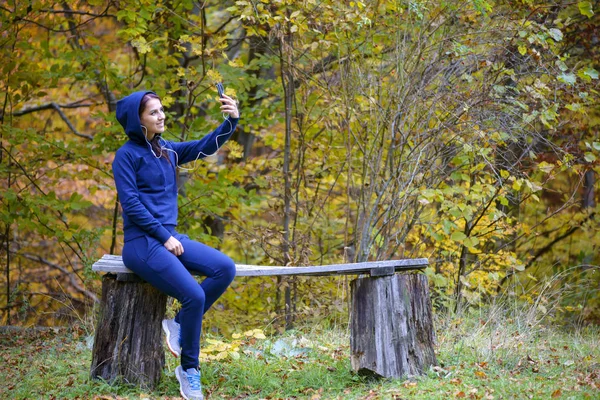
x,y
220,89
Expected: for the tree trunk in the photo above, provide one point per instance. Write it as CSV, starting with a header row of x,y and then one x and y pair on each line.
x,y
391,326
589,183
287,81
128,343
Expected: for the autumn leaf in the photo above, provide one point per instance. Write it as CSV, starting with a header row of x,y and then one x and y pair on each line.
x,y
586,8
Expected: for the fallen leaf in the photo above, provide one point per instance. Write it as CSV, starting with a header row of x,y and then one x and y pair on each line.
x,y
480,374
556,393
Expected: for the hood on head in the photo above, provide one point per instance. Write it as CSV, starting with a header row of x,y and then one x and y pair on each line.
x,y
128,115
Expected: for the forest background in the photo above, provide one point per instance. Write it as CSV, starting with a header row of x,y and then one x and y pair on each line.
x,y
461,131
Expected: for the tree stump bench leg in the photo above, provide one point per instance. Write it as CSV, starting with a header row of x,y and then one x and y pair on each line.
x,y
391,326
128,343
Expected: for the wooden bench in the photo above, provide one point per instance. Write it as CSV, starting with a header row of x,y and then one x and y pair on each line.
x,y
391,329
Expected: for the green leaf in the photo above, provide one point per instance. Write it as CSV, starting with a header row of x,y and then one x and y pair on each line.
x,y
439,280
550,114
530,117
591,72
458,236
141,44
589,157
556,34
522,49
569,79
546,167
585,8
561,65
471,242
596,145
437,236
516,185
520,267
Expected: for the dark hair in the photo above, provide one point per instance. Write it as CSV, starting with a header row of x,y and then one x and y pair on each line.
x,y
145,100
155,142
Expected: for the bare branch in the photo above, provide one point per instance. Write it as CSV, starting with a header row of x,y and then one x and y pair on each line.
x,y
548,247
58,109
69,124
103,14
72,276
70,12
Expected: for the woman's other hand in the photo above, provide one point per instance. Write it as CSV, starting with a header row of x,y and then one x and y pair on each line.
x,y
174,246
229,106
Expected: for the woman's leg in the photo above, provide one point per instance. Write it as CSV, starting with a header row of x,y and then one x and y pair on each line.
x,y
218,268
149,259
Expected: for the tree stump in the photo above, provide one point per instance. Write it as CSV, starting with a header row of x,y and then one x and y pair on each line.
x,y
391,326
128,344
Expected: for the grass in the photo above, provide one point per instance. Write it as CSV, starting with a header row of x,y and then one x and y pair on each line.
x,y
486,355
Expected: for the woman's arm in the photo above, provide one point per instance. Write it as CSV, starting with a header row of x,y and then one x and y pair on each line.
x,y
124,172
209,144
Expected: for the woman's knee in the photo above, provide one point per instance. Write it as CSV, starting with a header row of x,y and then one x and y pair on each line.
x,y
227,269
195,298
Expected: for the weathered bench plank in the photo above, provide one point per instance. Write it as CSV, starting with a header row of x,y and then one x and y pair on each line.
x,y
114,264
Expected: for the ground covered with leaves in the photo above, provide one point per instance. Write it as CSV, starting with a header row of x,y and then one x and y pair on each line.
x,y
478,359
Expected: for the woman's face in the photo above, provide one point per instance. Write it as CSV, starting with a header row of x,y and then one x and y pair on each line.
x,y
153,118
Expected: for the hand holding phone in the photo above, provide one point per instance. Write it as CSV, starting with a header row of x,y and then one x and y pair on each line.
x,y
228,105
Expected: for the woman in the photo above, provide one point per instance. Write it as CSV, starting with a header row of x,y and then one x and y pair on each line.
x,y
145,175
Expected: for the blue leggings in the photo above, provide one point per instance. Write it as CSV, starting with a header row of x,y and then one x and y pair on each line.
x,y
150,259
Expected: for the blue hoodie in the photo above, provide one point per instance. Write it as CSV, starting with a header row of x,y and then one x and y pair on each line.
x,y
146,185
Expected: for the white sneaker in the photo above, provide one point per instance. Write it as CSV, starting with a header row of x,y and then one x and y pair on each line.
x,y
172,332
189,383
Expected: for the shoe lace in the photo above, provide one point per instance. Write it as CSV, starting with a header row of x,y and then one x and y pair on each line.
x,y
194,380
